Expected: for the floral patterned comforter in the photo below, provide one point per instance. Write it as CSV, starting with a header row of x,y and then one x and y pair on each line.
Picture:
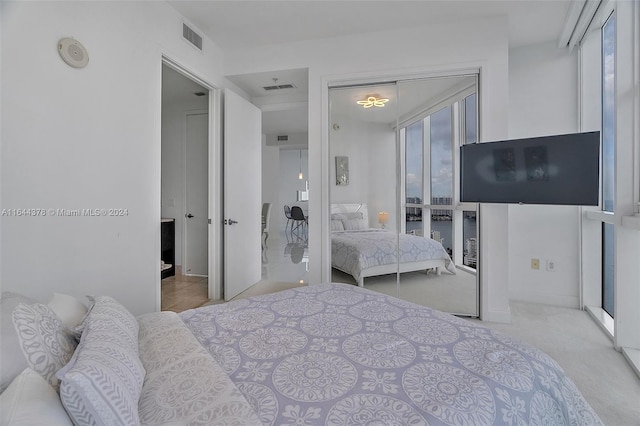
x,y
355,251
333,354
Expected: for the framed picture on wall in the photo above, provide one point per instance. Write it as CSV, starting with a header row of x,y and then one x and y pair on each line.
x,y
342,170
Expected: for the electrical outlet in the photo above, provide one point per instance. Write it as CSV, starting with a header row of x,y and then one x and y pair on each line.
x,y
535,263
551,265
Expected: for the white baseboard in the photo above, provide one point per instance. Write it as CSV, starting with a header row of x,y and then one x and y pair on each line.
x,y
564,301
633,356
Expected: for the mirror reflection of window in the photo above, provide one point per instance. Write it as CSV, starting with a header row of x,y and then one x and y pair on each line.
x,y
407,150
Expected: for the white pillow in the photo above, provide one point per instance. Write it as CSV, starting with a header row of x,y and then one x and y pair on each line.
x,y
30,400
336,225
46,342
350,215
103,381
354,224
69,309
12,360
350,221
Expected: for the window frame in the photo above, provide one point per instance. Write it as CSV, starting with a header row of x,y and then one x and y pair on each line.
x,y
458,132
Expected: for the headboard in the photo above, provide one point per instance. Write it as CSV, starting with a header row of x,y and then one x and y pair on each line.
x,y
351,208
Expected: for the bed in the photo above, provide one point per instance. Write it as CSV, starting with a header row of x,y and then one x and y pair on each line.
x,y
362,251
324,354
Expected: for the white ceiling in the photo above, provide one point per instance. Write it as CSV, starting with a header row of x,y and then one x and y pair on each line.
x,y
283,111
177,88
406,98
238,24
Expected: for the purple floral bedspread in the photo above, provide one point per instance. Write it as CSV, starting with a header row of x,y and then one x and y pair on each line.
x,y
336,354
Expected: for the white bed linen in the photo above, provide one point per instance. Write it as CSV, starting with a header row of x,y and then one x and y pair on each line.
x,y
184,385
354,252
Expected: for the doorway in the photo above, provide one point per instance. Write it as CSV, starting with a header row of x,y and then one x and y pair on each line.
x,y
184,189
282,96
196,194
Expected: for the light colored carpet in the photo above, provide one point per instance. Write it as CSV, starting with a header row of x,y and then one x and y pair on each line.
x,y
445,292
586,354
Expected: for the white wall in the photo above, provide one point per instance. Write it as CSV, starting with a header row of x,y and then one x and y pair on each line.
x,y
381,147
543,100
289,182
87,138
111,159
430,49
295,140
270,184
371,149
172,168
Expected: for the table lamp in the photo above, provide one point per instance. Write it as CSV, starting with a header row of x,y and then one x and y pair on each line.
x,y
383,218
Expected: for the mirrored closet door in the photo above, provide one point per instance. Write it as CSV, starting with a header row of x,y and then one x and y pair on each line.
x,y
397,225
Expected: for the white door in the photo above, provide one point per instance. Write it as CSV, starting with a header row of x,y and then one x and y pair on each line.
x,y
242,194
196,195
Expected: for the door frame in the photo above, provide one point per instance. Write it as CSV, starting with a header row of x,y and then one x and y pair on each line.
x,y
184,204
215,177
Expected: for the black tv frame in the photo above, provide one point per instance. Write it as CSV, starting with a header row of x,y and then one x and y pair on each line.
x,y
548,170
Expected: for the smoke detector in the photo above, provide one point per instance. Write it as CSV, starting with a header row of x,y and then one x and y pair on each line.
x,y
73,52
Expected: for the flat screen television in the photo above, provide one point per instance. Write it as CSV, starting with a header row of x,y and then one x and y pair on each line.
x,y
559,169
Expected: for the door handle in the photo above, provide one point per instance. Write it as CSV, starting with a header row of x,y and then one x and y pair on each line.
x,y
230,221
189,215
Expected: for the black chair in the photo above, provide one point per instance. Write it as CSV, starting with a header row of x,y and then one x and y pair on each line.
x,y
298,217
287,214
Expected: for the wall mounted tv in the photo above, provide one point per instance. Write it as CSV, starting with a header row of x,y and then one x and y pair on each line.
x,y
560,169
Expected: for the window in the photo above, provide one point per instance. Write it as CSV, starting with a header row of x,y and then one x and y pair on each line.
x,y
430,144
414,179
441,176
608,164
471,119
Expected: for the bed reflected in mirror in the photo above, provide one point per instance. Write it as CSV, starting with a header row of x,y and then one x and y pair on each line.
x,y
397,226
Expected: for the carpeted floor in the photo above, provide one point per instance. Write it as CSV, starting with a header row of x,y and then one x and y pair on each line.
x,y
586,354
446,292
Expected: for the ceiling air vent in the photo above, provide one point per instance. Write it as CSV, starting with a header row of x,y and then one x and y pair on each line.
x,y
279,87
191,36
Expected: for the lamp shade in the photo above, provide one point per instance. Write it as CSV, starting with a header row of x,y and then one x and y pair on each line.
x,y
383,218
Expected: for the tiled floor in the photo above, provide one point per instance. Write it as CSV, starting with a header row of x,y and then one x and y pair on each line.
x,y
181,292
285,263
286,257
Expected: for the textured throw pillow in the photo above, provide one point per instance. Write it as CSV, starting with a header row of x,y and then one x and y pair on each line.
x,y
350,215
336,225
103,381
46,342
115,316
12,360
30,400
354,224
69,309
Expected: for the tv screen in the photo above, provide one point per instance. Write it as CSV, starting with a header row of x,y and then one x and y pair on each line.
x,y
560,169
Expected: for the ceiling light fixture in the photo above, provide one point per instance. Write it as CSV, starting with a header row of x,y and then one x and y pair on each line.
x,y
372,101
